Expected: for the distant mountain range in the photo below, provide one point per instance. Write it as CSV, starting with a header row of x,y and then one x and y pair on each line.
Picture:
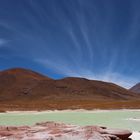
x,y
136,88
22,89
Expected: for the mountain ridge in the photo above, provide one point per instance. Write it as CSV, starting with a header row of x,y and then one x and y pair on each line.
x,y
135,88
25,88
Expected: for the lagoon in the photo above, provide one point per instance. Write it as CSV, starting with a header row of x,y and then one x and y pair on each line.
x,y
125,119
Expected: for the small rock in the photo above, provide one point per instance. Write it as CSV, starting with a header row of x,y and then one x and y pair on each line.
x,y
122,134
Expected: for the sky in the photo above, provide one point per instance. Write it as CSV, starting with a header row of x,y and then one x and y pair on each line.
x,y
93,39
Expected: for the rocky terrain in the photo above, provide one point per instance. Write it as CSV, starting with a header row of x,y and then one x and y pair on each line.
x,y
22,89
60,131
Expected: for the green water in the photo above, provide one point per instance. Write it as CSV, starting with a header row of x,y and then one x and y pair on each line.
x,y
113,119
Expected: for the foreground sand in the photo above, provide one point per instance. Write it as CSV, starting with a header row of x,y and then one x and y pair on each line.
x,y
61,131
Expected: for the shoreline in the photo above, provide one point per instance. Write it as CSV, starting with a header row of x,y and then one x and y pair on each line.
x,y
59,131
135,133
70,110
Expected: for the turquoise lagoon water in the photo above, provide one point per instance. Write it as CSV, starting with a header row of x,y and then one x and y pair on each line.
x,y
126,119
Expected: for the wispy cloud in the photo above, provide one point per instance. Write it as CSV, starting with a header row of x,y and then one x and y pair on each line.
x,y
107,76
81,40
112,77
58,67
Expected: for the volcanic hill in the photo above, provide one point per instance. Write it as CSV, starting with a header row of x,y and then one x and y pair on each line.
x,y
136,88
22,89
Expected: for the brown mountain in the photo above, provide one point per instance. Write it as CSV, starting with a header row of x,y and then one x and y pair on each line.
x,y
25,89
18,81
136,88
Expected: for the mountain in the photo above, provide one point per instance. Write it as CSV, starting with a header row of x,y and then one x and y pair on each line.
x,y
25,89
18,81
136,88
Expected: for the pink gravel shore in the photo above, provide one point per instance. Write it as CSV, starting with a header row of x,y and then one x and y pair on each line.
x,y
60,131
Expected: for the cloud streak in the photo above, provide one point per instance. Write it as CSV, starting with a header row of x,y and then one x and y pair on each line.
x,y
107,76
90,39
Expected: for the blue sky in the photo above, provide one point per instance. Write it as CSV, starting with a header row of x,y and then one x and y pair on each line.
x,y
95,39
